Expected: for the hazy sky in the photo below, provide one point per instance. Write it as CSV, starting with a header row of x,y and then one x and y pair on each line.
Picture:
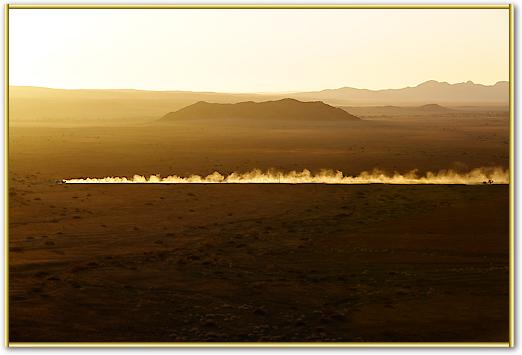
x,y
256,50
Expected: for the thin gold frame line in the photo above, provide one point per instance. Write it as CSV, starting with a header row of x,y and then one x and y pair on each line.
x,y
6,176
253,6
510,343
261,345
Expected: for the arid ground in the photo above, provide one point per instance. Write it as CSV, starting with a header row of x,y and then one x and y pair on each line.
x,y
258,262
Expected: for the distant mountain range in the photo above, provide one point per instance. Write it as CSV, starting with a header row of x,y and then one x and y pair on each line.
x,y
39,105
281,110
429,92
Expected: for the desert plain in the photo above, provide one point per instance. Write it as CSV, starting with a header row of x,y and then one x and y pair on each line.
x,y
259,262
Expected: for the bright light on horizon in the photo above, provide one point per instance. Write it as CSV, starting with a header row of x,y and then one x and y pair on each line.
x,y
256,50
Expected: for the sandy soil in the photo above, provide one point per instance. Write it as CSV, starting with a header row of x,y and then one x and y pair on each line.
x,y
257,262
205,146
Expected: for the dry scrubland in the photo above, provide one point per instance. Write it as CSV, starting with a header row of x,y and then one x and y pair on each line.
x,y
258,262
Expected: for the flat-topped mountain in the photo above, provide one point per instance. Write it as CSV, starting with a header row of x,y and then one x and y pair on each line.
x,y
434,108
280,110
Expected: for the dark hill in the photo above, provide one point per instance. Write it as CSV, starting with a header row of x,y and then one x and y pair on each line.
x,y
429,109
435,107
280,110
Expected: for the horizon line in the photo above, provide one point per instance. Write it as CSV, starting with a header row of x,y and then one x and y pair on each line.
x,y
256,92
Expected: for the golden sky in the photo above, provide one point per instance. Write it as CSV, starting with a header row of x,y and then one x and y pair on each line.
x,y
256,50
